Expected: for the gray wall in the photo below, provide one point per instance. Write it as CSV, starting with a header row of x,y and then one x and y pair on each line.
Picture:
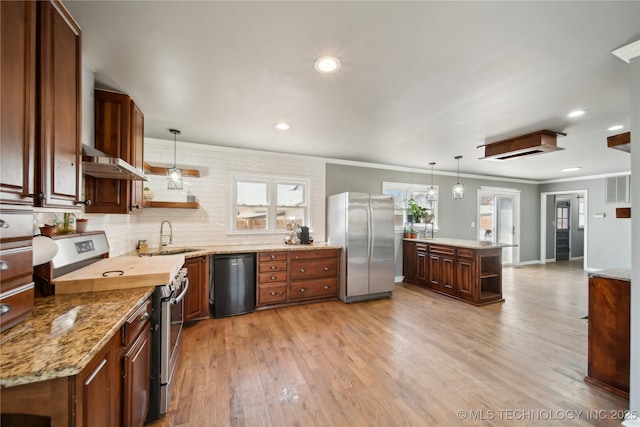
x,y
456,216
609,238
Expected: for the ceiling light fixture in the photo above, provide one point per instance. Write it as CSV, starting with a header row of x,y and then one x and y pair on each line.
x,y
571,169
174,175
283,126
432,194
458,189
576,113
615,127
327,64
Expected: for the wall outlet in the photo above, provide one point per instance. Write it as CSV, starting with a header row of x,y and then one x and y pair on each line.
x,y
473,224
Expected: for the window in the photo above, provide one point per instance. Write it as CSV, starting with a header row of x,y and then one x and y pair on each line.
x,y
268,204
562,217
401,193
617,189
581,213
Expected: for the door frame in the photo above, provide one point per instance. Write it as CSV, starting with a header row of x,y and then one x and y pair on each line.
x,y
543,224
484,191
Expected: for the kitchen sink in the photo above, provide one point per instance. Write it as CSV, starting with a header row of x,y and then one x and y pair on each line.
x,y
169,251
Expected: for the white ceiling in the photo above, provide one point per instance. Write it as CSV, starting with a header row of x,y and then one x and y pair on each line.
x,y
419,82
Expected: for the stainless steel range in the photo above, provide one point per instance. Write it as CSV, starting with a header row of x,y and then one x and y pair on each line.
x,y
167,320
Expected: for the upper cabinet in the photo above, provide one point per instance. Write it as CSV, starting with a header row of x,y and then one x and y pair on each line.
x,y
17,115
40,115
119,133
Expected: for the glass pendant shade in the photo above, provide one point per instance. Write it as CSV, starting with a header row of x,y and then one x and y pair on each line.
x,y
174,175
458,189
432,194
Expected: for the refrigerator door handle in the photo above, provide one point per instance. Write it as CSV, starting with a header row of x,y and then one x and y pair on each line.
x,y
370,232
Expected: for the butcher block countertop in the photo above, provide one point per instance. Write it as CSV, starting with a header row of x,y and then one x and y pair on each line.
x,y
63,334
120,273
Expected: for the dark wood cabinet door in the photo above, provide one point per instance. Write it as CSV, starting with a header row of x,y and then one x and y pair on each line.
x,y
136,368
17,112
59,103
465,278
408,261
447,271
433,272
422,267
95,386
196,301
137,156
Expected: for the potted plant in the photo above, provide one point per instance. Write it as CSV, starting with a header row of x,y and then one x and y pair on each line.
x,y
409,232
416,211
191,197
147,194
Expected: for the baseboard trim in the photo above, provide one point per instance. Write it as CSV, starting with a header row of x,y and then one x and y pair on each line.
x,y
398,279
535,261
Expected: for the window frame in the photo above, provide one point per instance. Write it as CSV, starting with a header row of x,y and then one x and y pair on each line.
x,y
271,182
407,191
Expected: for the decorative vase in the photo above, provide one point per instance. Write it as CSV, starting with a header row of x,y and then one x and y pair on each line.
x,y
191,198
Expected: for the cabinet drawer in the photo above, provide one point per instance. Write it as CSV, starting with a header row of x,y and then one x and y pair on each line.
x,y
16,304
314,288
15,267
272,256
16,226
323,253
444,250
268,294
134,324
278,276
466,253
266,267
422,247
309,269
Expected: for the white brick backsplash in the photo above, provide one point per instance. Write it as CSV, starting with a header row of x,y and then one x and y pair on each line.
x,y
210,224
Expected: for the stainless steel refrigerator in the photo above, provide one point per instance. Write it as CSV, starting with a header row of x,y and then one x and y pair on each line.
x,y
362,224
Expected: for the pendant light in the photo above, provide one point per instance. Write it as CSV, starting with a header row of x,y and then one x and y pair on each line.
x,y
432,194
458,189
174,175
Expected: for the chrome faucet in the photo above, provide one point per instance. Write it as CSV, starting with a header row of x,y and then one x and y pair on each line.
x,y
165,235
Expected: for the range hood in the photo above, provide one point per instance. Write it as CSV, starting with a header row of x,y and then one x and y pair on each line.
x,y
543,141
100,165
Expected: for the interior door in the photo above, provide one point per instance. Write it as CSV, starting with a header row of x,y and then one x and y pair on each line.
x,y
562,230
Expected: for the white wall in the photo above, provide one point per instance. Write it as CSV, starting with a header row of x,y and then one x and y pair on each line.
x,y
211,223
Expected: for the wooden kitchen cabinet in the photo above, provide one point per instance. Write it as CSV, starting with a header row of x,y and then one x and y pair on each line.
x,y
41,104
288,277
58,147
196,301
119,132
17,112
609,334
471,275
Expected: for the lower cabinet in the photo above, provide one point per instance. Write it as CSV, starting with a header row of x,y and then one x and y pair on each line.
x,y
196,301
472,275
111,391
287,277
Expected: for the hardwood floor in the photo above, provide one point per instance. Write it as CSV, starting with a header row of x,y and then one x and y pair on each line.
x,y
417,359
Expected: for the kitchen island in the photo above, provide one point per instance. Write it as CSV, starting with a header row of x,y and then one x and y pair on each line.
x,y
468,270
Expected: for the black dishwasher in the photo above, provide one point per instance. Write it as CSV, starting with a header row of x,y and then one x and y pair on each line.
x,y
232,288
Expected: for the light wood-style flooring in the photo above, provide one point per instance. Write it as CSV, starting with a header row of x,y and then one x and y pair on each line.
x,y
417,359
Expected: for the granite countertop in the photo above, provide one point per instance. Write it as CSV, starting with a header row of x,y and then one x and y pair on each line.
x,y
613,273
200,250
63,334
460,243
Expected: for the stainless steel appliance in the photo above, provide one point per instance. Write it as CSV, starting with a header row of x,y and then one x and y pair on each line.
x,y
362,224
233,284
167,320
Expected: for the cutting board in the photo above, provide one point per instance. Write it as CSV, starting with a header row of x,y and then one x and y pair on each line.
x,y
120,273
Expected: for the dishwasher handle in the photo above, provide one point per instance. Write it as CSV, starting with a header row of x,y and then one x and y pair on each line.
x,y
182,294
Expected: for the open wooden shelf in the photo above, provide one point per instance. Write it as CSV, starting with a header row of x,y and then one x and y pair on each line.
x,y
160,170
178,205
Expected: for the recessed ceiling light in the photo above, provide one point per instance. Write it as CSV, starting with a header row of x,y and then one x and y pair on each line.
x,y
576,113
283,126
572,169
616,127
327,64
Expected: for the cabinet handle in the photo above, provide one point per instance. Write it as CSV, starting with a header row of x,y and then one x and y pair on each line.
x,y
4,224
273,293
136,207
302,270
303,289
37,196
273,277
144,316
273,267
4,265
281,292
326,269
272,257
326,287
4,309
87,202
